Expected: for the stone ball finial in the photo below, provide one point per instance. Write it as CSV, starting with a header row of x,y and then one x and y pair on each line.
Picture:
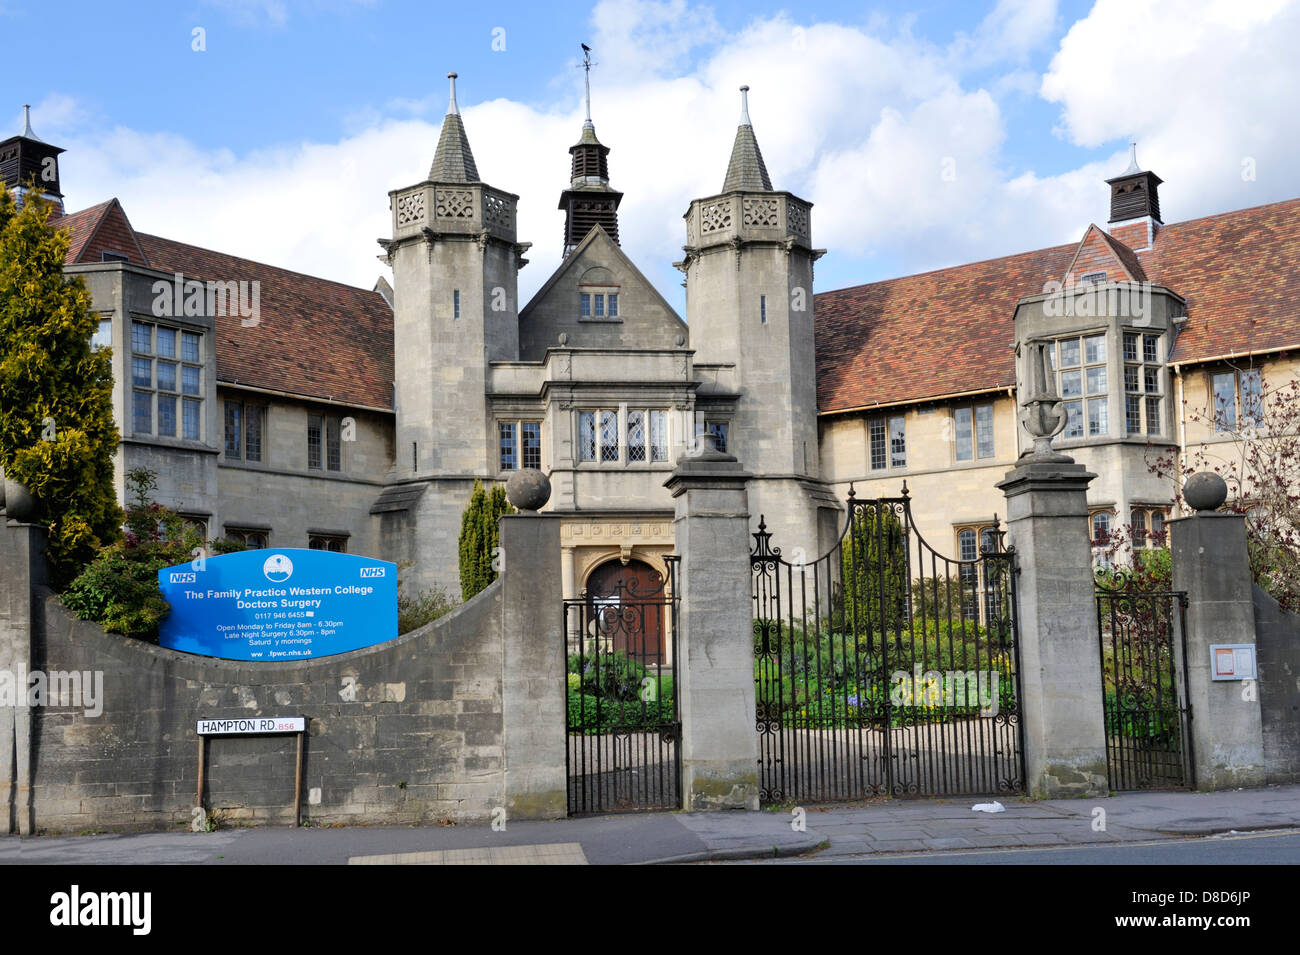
x,y
1205,491
19,504
528,489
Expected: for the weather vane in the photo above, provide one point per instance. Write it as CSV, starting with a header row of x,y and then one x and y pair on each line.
x,y
586,66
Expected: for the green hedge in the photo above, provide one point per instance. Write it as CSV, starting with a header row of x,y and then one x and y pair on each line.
x,y
621,714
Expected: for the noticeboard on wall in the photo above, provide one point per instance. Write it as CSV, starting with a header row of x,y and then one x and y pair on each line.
x,y
277,605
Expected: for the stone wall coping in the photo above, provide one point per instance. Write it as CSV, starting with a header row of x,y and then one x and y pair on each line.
x,y
218,670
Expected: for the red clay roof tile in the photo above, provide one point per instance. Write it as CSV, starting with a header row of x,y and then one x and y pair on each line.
x,y
950,331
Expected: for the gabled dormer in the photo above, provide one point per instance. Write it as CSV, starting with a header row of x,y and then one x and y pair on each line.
x,y
597,298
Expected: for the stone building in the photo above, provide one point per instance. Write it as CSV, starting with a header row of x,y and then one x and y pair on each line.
x,y
293,411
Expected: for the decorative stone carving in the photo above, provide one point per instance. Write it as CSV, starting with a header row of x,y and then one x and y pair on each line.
x,y
454,204
715,216
1044,415
796,217
760,212
496,212
410,209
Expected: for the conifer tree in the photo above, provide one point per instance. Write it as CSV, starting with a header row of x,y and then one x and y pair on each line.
x,y
57,434
874,558
479,537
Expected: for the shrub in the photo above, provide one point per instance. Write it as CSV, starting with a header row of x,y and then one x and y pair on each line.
x,y
119,589
611,676
873,554
426,606
479,538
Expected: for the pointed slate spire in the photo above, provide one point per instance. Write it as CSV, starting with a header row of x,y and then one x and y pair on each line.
x,y
746,170
453,161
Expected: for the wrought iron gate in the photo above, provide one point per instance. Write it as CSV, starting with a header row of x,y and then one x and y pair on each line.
x,y
1144,680
884,668
622,713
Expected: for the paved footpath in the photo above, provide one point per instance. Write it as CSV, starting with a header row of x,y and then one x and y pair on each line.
x,y
877,827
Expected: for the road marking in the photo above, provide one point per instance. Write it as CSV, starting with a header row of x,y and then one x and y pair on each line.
x,y
554,853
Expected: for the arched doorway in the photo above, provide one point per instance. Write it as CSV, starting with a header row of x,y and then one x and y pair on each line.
x,y
626,603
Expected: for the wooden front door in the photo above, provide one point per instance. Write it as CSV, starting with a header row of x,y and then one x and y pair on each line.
x,y
627,603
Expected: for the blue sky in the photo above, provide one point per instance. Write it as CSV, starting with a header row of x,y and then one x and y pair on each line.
x,y
280,139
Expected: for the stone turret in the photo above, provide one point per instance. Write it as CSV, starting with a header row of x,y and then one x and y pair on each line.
x,y
749,298
455,260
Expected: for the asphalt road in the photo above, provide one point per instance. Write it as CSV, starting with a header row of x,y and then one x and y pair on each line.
x,y
1249,848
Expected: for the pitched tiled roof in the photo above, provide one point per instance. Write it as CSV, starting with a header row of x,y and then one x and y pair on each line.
x,y
99,229
950,332
314,337
1240,274
923,336
1099,252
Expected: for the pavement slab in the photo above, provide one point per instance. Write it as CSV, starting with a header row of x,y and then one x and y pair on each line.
x,y
886,827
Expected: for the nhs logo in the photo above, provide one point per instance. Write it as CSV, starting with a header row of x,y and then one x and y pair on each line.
x,y
188,577
372,571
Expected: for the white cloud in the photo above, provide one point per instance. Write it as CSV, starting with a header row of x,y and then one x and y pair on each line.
x,y
1216,89
859,120
636,38
1012,30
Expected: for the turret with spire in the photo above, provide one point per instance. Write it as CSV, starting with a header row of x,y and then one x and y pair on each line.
x,y
455,261
749,300
589,201
1135,204
26,159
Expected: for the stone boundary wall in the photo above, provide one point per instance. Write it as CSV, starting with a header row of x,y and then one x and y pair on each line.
x,y
455,721
405,732
1277,649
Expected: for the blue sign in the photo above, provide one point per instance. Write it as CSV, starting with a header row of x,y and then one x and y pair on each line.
x,y
280,604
